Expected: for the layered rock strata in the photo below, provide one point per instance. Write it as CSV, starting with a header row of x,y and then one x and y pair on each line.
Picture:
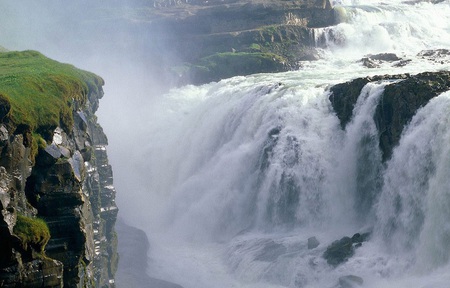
x,y
61,176
211,40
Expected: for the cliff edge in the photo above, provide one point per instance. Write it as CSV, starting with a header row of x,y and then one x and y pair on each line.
x,y
56,191
216,39
199,41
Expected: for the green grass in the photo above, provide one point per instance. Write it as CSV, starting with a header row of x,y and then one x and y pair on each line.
x,y
42,92
32,232
224,65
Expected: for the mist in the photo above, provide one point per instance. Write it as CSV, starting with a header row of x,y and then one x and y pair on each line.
x,y
231,179
93,35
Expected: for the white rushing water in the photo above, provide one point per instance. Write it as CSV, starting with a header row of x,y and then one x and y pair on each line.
x,y
242,172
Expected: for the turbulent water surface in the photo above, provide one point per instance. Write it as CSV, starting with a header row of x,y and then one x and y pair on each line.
x,y
244,171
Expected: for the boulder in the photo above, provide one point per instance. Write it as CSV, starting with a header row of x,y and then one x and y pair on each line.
x,y
374,61
313,242
350,281
341,250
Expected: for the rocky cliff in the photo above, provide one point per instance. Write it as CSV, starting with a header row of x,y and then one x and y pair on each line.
x,y
207,40
56,190
397,106
219,39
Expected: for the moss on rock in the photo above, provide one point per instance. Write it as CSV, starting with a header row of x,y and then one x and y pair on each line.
x,y
229,64
33,232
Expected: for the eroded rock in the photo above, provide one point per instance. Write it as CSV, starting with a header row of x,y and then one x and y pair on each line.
x,y
78,204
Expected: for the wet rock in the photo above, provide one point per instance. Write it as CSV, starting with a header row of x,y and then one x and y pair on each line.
x,y
370,63
402,63
313,243
388,57
341,250
437,55
397,105
374,61
359,238
350,281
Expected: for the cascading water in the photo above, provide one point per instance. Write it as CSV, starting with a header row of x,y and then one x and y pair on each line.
x,y
244,171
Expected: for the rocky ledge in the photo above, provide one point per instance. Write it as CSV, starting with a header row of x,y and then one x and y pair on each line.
x,y
56,192
206,40
220,39
398,104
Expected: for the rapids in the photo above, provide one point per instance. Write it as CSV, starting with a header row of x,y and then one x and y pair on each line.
x,y
240,173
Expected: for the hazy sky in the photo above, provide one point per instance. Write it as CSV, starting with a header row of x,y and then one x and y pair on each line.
x,y
79,33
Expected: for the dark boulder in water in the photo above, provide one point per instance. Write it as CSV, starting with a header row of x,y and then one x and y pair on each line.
x,y
374,61
350,281
313,242
341,250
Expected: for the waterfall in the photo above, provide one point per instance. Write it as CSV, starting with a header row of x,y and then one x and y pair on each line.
x,y
413,208
246,170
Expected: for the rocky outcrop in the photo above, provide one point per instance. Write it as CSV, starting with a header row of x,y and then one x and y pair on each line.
x,y
211,40
181,40
397,106
62,178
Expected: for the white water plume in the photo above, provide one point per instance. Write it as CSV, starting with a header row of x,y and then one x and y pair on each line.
x,y
400,28
249,168
413,208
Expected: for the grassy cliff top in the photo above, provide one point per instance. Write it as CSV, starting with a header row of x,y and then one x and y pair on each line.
x,y
39,93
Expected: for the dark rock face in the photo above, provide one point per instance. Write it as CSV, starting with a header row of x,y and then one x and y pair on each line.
x,y
341,250
69,185
397,106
